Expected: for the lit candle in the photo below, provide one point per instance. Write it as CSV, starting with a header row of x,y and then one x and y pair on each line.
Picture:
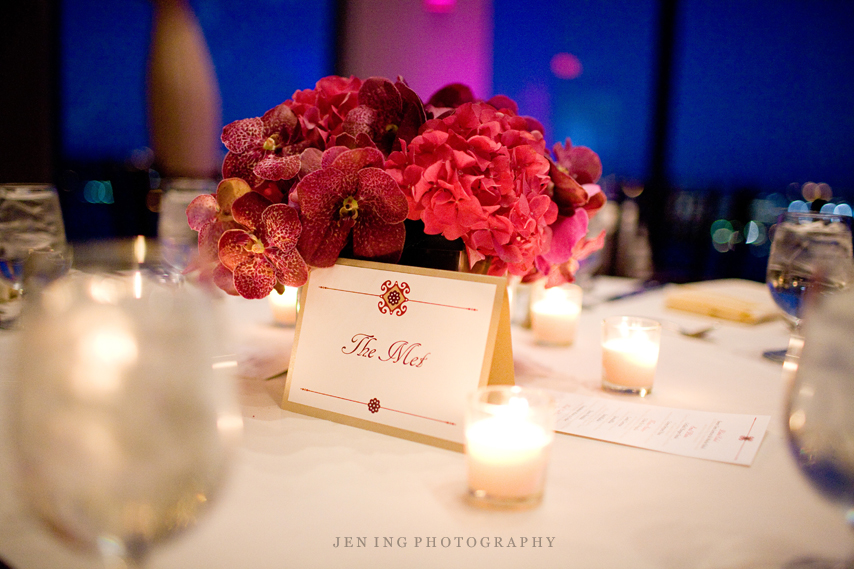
x,y
284,306
554,316
506,458
630,349
507,445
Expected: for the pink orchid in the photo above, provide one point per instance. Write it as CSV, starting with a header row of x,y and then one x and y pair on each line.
x,y
388,114
263,255
575,171
263,149
211,215
351,193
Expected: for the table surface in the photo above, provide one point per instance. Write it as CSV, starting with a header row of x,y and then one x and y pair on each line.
x,y
301,485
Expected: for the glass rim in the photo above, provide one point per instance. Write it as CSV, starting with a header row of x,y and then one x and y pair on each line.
x,y
816,215
534,395
15,191
635,322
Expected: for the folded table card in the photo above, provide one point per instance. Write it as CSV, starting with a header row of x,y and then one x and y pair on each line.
x,y
396,349
722,437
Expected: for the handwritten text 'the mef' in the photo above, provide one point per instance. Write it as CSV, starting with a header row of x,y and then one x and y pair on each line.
x,y
399,352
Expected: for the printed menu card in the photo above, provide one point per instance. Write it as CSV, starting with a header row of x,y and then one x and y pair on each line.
x,y
396,349
723,437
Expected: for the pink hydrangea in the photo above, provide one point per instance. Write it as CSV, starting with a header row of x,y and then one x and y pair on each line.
x,y
481,175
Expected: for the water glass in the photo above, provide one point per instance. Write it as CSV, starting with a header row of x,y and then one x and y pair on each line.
x,y
811,255
32,242
178,242
123,415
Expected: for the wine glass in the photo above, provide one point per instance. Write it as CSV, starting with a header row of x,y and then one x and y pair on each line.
x,y
124,418
811,254
819,410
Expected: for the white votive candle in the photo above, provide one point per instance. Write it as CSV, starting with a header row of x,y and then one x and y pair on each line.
x,y
506,458
554,315
284,306
630,349
508,434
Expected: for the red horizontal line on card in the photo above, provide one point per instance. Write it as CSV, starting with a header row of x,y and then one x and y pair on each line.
x,y
385,408
407,300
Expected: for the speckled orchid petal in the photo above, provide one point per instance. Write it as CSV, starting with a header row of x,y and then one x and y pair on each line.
x,y
241,134
249,208
383,242
361,120
201,211
280,118
309,161
330,154
242,166
235,246
381,95
281,226
320,194
209,236
324,233
380,194
291,269
273,167
229,190
224,279
353,160
255,277
320,244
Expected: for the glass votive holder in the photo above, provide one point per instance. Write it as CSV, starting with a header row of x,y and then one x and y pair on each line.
x,y
284,306
508,436
554,314
630,347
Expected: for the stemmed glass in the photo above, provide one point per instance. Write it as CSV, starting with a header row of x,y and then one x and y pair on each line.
x,y
124,418
811,254
819,410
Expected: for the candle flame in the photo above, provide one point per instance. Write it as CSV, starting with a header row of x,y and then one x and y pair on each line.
x,y
139,249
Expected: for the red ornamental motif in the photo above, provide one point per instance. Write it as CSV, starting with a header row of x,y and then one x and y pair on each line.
x,y
393,300
374,405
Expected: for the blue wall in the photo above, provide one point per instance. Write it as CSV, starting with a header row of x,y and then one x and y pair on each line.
x,y
263,50
762,92
608,106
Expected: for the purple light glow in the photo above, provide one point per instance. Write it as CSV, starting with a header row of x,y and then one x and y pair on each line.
x,y
566,66
440,6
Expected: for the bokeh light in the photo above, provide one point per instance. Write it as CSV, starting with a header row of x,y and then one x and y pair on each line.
x,y
98,192
566,66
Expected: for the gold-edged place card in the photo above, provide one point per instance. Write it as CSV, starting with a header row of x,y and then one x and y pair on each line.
x,y
396,349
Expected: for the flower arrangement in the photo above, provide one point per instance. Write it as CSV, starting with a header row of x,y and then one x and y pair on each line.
x,y
349,167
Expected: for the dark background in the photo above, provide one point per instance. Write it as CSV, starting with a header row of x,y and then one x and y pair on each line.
x,y
711,115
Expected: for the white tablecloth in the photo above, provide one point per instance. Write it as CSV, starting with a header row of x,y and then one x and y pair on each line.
x,y
302,485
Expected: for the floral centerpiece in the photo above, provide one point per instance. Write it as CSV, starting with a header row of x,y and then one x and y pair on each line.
x,y
358,168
